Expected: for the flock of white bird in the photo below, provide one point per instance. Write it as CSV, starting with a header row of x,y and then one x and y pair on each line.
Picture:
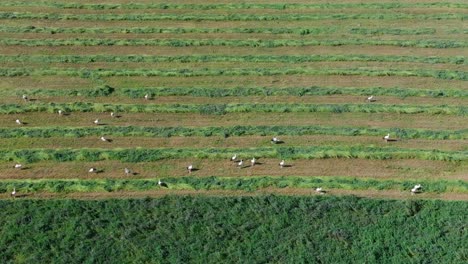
x,y
240,163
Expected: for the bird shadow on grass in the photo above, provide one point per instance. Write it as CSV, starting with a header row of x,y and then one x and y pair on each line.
x,y
392,140
287,166
277,142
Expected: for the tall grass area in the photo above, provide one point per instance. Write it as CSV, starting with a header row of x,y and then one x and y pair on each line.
x,y
148,155
221,109
265,229
139,92
232,131
421,43
228,58
249,184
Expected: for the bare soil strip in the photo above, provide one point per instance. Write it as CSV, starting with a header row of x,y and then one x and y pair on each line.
x,y
231,142
391,194
378,169
383,120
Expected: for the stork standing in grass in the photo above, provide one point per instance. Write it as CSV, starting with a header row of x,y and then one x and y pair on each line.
x,y
112,114
25,98
371,99
18,122
387,137
60,112
416,189
234,158
253,161
319,190
147,96
13,193
162,184
275,140
92,170
103,139
282,164
18,166
240,163
190,168
97,122
127,171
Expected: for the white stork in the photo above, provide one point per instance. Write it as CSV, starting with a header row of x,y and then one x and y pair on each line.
x,y
147,96
387,137
18,122
275,140
13,193
162,184
319,190
103,139
282,164
60,112
92,170
127,171
371,99
97,122
253,161
416,189
25,98
240,163
190,168
18,166
112,114
234,158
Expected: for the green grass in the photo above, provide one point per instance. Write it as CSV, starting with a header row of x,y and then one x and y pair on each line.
x,y
265,229
228,58
139,92
422,43
298,152
407,133
221,109
250,184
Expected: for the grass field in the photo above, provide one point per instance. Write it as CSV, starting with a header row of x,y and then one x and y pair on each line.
x,y
224,78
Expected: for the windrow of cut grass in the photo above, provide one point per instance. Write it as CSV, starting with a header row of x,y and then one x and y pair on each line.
x,y
232,131
231,17
186,72
309,152
221,109
420,43
182,30
230,6
214,92
229,58
228,183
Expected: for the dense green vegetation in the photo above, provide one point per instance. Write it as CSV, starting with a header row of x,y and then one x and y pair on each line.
x,y
265,229
227,58
139,92
420,43
299,152
137,131
250,184
221,109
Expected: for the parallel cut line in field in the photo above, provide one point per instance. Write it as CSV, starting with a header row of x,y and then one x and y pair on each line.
x,y
221,109
401,169
230,6
397,93
309,152
370,120
270,43
226,132
380,194
303,31
231,17
189,72
458,60
221,183
253,141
